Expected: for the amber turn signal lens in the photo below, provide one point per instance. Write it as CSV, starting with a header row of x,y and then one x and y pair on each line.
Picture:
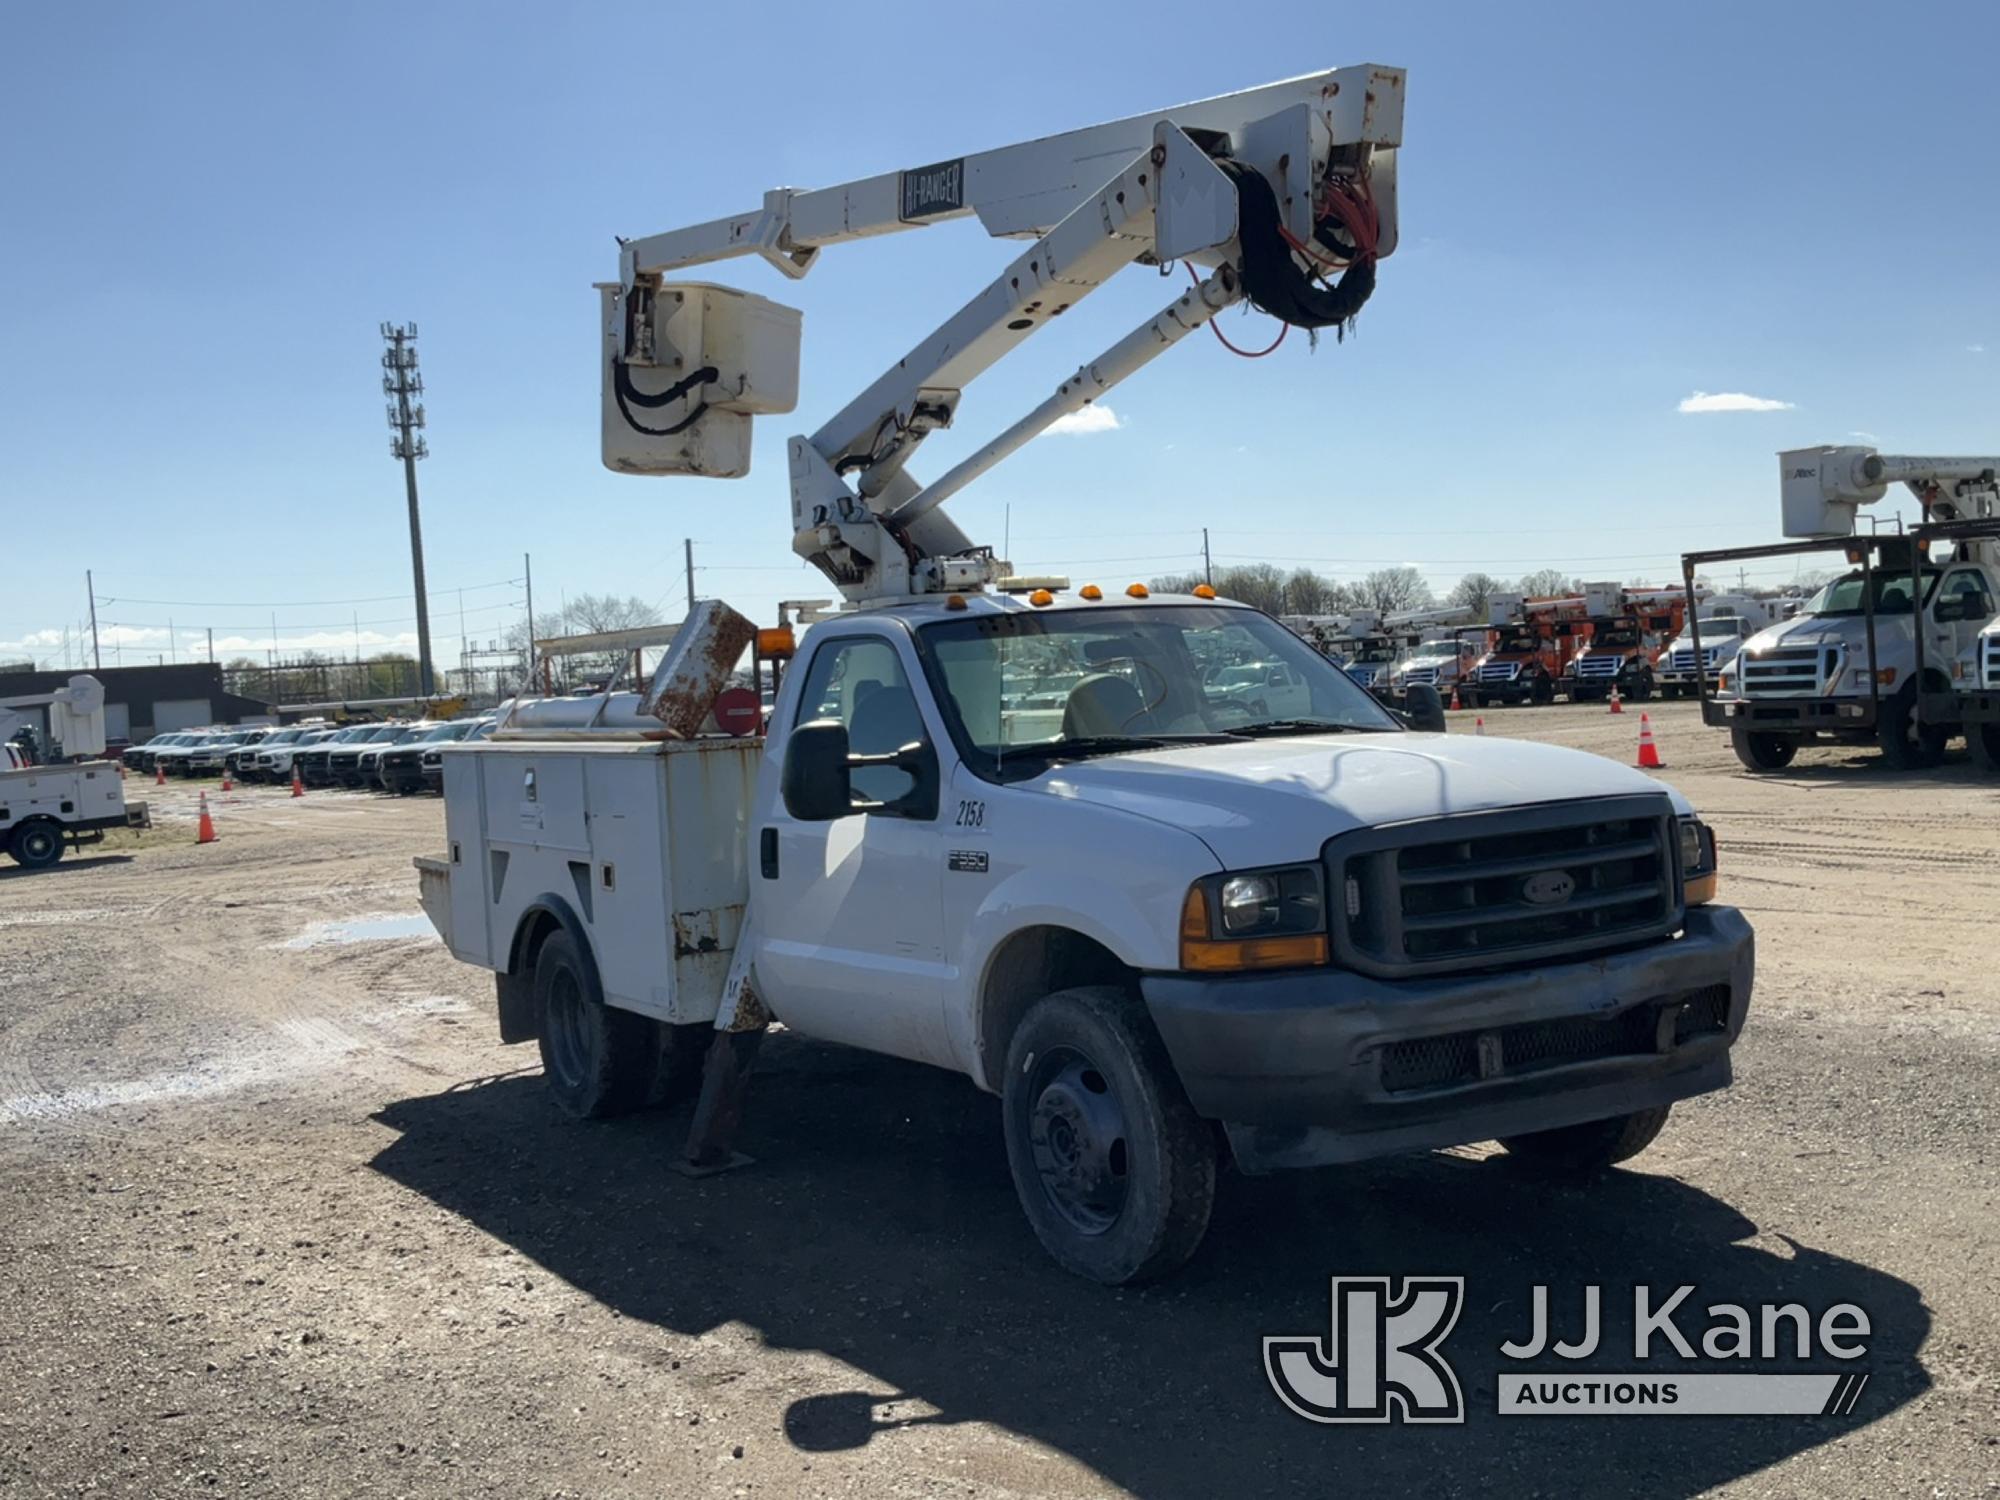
x,y
1137,590
1090,591
1203,591
1202,954
1698,891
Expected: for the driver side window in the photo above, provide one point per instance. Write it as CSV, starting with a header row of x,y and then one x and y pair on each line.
x,y
860,682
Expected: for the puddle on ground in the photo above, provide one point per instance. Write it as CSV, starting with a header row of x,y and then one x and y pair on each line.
x,y
376,927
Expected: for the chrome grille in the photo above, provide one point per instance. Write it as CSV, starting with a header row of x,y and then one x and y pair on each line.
x,y
1421,674
1599,666
1682,659
1992,661
1786,671
1500,671
1491,890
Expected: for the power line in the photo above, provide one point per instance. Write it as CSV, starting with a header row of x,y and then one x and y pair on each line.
x,y
293,603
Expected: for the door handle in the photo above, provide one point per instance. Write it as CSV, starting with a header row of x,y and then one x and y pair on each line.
x,y
767,852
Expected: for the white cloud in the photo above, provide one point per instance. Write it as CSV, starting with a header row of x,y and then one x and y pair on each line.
x,y
1975,348
1096,417
1703,401
1866,437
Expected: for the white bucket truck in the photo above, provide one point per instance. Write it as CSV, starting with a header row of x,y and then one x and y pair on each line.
x,y
45,809
1173,933
1883,654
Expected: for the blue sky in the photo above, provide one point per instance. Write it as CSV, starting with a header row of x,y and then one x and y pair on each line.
x,y
1605,209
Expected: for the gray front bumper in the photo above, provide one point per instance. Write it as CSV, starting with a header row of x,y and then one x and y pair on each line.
x,y
1292,1063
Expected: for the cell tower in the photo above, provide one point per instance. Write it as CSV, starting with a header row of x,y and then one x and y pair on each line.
x,y
402,380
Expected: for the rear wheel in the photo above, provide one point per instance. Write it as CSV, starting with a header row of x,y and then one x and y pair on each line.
x,y
1907,745
597,1061
1114,1169
1544,691
36,845
1638,686
1763,752
1587,1149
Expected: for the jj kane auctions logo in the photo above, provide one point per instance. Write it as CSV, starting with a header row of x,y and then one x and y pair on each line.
x,y
1383,1359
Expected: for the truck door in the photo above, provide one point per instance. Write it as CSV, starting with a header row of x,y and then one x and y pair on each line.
x,y
1967,591
850,924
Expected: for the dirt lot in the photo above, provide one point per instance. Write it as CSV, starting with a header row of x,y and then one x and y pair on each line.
x,y
278,1216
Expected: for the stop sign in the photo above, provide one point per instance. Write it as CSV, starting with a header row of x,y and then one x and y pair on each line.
x,y
738,712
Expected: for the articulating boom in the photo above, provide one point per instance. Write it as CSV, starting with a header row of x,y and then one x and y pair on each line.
x,y
1285,193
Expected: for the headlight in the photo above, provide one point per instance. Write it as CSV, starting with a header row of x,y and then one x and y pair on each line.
x,y
1255,919
1698,862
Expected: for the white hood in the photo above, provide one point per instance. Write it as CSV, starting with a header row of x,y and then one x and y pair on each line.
x,y
1273,801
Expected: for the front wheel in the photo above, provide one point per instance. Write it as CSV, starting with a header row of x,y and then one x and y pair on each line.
x,y
1984,742
1763,752
1587,1149
36,845
1114,1169
1906,744
1639,687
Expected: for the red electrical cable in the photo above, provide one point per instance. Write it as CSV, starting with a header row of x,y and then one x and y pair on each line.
x,y
1283,329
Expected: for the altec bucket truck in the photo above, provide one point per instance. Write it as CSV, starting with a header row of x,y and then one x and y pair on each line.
x,y
48,808
1039,837
1892,653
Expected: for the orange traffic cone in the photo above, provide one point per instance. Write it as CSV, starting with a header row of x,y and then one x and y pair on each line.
x,y
159,774
1455,704
227,784
298,783
1617,703
1479,725
1649,753
204,832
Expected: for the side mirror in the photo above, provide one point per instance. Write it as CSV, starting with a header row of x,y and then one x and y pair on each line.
x,y
1422,708
814,780
817,779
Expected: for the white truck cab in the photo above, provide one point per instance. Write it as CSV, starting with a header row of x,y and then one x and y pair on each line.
x,y
1152,919
46,809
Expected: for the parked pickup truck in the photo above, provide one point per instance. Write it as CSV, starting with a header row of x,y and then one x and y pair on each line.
x,y
1171,932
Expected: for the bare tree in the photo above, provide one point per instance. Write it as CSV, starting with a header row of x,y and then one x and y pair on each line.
x,y
1475,591
1392,589
1545,582
1259,585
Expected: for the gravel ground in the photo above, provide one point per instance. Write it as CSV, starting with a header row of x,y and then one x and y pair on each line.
x,y
278,1216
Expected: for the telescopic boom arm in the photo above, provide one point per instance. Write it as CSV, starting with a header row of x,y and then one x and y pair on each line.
x,y
1286,193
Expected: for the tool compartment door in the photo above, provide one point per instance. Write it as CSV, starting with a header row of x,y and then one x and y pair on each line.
x,y
627,906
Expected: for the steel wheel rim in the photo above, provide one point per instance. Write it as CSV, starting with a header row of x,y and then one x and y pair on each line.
x,y
1077,1136
563,1025
38,844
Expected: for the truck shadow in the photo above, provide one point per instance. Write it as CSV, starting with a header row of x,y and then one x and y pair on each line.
x,y
879,1226
68,862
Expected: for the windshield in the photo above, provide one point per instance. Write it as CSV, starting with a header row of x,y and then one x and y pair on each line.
x,y
1023,690
1516,641
1614,638
446,732
1843,596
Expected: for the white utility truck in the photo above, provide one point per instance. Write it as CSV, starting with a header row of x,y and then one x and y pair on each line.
x,y
1727,621
46,809
1883,653
1172,932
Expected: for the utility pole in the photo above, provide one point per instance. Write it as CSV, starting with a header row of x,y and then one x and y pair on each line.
x,y
211,645
1207,567
96,656
688,543
173,636
528,656
402,380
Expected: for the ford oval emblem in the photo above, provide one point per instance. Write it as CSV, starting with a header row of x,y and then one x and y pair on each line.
x,y
1548,887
